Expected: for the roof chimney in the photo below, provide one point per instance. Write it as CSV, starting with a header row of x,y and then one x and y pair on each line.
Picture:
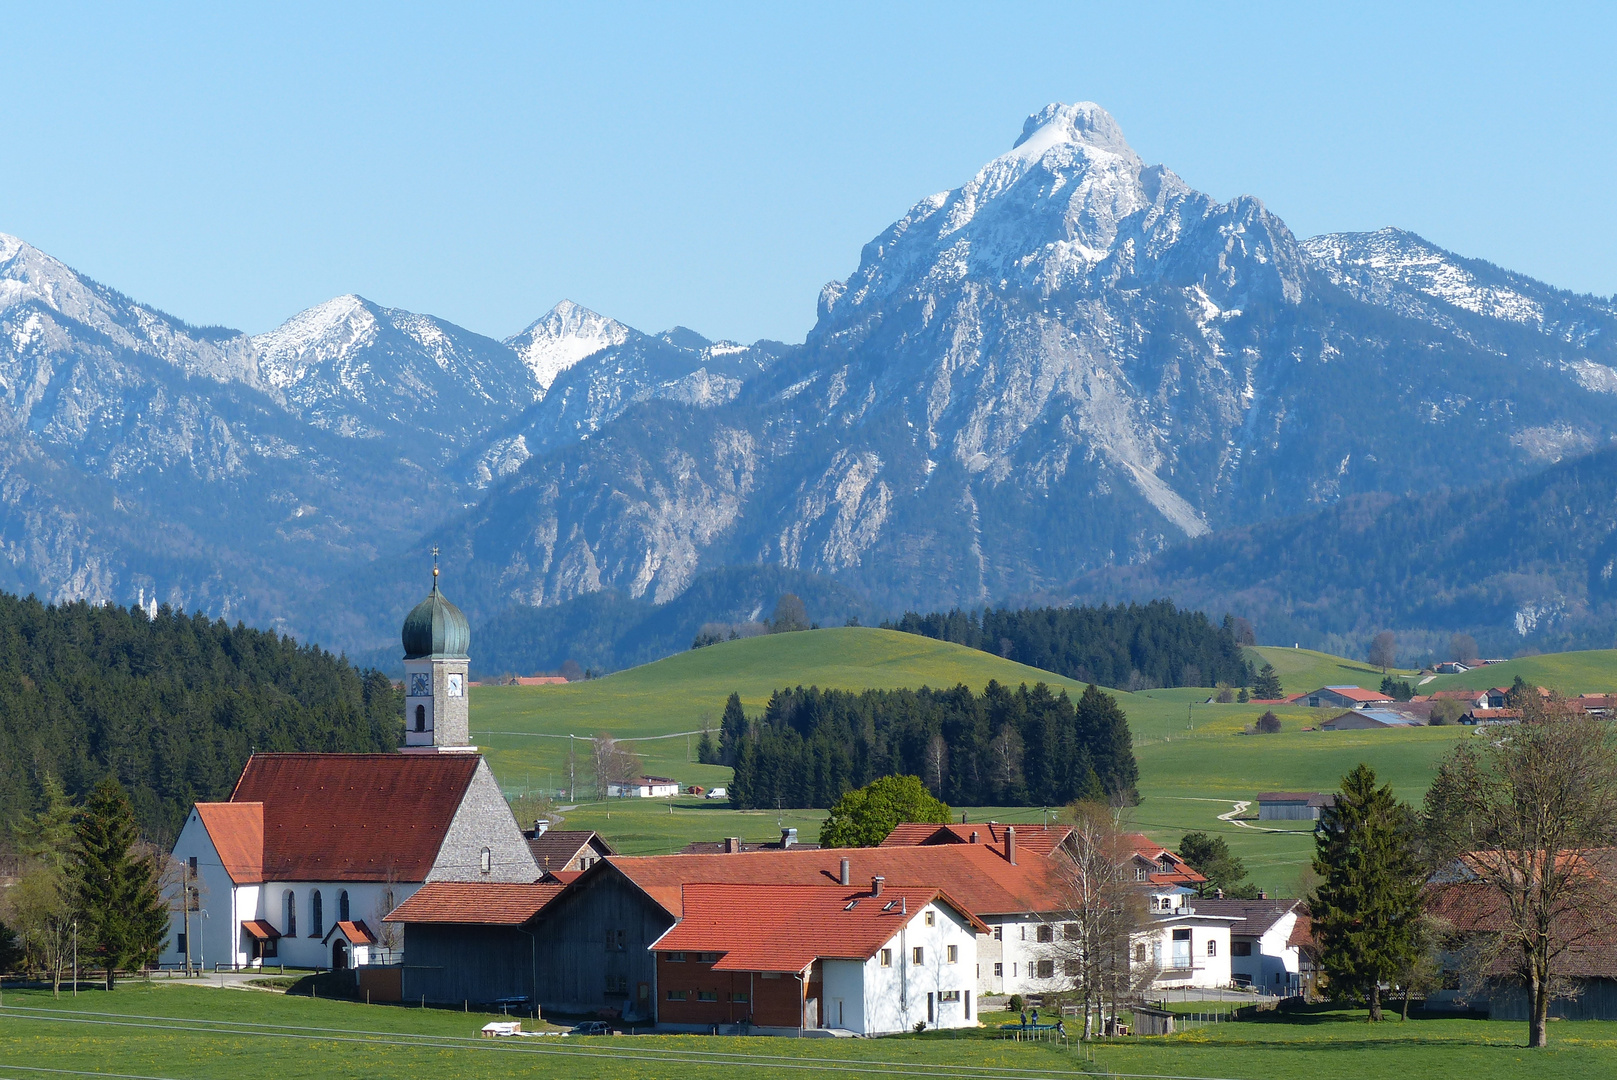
x,y
847,875
974,836
1010,844
1218,894
732,844
539,827
1262,895
875,885
788,837
962,817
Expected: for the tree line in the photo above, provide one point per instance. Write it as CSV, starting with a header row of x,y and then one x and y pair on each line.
x,y
1131,647
1004,747
171,705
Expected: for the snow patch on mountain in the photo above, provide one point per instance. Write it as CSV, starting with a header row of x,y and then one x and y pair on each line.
x,y
1393,256
563,336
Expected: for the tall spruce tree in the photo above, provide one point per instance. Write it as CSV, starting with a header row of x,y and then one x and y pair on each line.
x,y
1266,687
122,918
732,730
1366,911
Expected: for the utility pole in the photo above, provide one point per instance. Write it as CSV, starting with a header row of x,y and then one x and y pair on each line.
x,y
185,908
572,790
75,958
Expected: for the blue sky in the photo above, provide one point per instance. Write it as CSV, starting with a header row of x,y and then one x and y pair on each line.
x,y
715,165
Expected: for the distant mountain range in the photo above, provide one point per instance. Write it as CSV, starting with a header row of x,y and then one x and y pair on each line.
x,y
1032,385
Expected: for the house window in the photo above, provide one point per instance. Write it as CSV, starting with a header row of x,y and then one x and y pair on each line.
x,y
918,956
709,958
1024,932
1069,968
617,984
707,995
289,914
617,941
1047,969
740,996
1240,948
1139,953
999,971
1166,866
317,914
1070,931
191,864
1212,947
676,995
954,954
485,861
674,957
421,718
1140,873
1045,933
342,906
179,943
887,958
949,995
931,917
999,933
1013,969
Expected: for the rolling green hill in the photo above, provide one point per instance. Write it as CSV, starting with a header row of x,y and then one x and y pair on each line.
x,y
1593,671
1195,760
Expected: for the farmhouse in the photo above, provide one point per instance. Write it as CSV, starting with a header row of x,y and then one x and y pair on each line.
x,y
1360,719
642,787
1292,805
1342,697
1262,952
311,851
788,958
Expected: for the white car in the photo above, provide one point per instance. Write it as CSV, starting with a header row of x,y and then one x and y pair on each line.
x,y
718,793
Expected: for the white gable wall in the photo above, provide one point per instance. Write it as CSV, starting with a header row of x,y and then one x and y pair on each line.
x,y
895,998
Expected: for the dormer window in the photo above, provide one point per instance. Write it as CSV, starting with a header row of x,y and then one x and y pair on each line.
x,y
1166,865
1142,874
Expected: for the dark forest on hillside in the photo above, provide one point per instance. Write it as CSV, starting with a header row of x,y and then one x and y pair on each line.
x,y
1132,647
1022,747
172,706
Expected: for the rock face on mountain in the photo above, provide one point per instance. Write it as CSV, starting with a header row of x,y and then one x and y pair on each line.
x,y
1072,361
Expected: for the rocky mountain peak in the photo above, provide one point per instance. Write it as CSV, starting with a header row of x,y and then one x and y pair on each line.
x,y
1082,123
563,336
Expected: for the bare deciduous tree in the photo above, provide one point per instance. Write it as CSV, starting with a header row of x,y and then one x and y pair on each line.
x,y
1087,939
1384,650
937,763
615,763
1527,818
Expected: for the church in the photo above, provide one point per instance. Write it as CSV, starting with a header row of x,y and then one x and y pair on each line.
x,y
312,851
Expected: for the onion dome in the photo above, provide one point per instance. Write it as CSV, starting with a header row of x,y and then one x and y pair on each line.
x,y
435,629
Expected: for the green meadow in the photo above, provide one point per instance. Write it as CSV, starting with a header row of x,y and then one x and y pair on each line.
x,y
159,1032
1196,760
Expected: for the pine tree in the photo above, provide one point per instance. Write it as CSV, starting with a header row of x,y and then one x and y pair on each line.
x,y
122,918
1266,687
732,730
1366,911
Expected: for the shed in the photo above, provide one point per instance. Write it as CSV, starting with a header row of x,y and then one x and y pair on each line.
x,y
1292,805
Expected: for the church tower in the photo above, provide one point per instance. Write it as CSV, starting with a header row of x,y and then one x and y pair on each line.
x,y
436,637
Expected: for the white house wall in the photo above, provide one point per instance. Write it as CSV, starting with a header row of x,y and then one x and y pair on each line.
x,y
895,997
211,927
1205,971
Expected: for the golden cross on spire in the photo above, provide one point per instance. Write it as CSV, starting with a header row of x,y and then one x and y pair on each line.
x,y
435,565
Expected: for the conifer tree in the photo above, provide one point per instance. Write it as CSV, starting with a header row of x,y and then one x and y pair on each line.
x,y
1366,911
732,730
122,918
1266,687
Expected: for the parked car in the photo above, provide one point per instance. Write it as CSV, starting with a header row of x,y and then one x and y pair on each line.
x,y
718,793
592,1027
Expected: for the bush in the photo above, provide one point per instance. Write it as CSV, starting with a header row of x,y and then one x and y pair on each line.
x,y
1268,724
1445,711
1015,1004
1226,694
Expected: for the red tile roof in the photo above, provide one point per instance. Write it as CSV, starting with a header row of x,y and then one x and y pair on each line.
x,y
1588,944
1037,839
354,817
788,927
558,847
357,933
1352,693
1143,847
476,903
261,929
237,832
975,875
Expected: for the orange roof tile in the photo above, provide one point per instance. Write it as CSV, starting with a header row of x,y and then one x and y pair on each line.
x,y
788,927
976,875
476,903
1037,839
354,817
357,933
237,832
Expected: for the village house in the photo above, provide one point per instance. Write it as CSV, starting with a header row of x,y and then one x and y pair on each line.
x,y
566,851
1366,718
642,787
1342,697
1262,952
310,852
785,959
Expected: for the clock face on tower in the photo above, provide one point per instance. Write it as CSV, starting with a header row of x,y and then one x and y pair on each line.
x,y
420,684
454,684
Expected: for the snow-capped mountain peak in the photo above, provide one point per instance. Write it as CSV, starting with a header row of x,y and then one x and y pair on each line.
x,y
318,335
563,336
1083,123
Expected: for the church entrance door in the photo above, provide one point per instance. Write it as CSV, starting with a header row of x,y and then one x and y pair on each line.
x,y
339,955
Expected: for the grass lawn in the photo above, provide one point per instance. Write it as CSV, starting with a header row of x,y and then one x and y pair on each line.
x,y
1194,762
1590,672
1304,669
192,1033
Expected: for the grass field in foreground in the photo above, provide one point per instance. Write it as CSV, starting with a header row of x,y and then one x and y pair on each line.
x,y
190,1033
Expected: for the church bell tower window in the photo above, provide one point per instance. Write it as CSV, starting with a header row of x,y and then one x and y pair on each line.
x,y
421,718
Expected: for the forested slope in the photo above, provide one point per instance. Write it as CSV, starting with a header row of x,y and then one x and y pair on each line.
x,y
171,705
